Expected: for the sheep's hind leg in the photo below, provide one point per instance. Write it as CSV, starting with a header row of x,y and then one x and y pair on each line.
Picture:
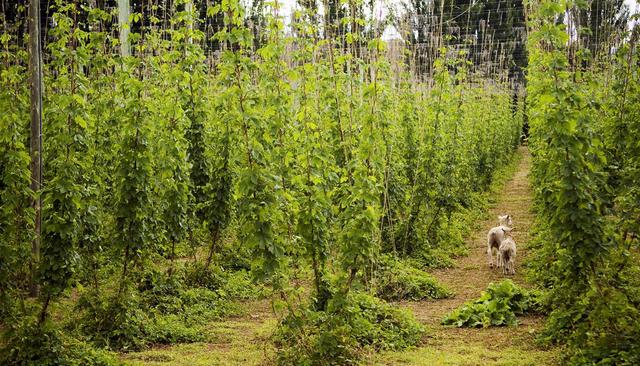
x,y
490,255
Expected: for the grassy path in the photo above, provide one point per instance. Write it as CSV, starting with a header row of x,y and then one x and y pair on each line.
x,y
241,340
244,340
471,275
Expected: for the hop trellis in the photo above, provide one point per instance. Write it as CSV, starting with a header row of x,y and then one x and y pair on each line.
x,y
174,131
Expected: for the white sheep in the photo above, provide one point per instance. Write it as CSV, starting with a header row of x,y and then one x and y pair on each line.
x,y
495,237
508,255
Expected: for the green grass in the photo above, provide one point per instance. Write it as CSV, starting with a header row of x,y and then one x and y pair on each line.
x,y
234,342
197,354
468,354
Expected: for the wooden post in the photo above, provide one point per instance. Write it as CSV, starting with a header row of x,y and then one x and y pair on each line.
x,y
441,39
188,6
35,71
124,27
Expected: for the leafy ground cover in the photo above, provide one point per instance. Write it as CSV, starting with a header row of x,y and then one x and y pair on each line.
x,y
499,304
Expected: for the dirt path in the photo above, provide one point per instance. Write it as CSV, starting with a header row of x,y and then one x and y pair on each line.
x,y
471,275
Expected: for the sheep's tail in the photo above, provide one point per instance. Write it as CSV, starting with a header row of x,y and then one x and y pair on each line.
x,y
492,238
506,255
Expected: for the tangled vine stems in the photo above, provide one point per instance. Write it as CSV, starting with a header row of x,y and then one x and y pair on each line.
x,y
316,164
620,130
564,145
166,105
16,216
255,191
65,208
570,171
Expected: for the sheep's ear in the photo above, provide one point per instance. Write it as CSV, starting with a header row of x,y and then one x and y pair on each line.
x,y
508,216
507,229
500,217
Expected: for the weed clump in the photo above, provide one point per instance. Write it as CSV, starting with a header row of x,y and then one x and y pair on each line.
x,y
435,258
498,305
341,334
30,343
398,280
236,284
161,310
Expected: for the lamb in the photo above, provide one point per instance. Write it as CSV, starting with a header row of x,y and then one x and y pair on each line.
x,y
507,255
495,237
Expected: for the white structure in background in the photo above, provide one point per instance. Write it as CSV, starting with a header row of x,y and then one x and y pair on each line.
x,y
287,7
634,8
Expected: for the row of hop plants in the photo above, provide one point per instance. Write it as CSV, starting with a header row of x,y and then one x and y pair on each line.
x,y
584,123
316,161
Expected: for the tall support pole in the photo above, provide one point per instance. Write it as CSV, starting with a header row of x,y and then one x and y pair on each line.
x,y
35,71
441,39
123,24
188,6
